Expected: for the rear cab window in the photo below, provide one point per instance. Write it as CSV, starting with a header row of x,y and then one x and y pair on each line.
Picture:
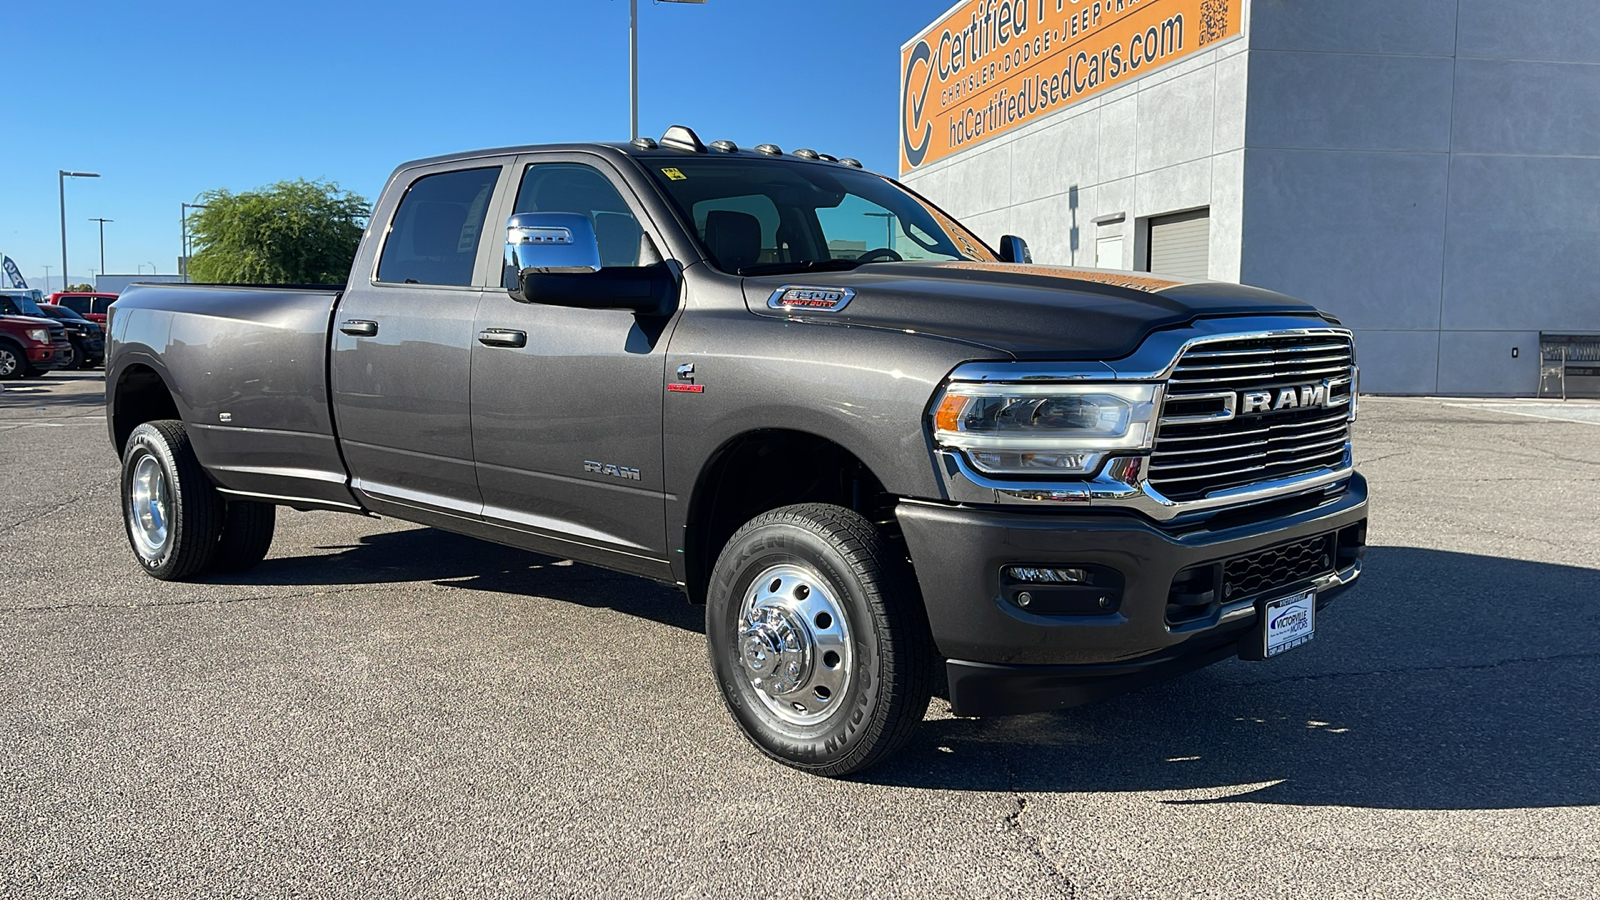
x,y
433,237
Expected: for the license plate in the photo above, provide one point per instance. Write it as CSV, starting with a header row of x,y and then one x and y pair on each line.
x,y
1291,621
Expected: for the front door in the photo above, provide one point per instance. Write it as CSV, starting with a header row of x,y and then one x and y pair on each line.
x,y
403,342
566,403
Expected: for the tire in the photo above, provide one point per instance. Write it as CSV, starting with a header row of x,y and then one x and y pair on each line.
x,y
777,580
13,362
170,510
77,360
247,529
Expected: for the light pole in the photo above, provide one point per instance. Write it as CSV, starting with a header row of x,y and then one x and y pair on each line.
x,y
61,182
47,280
183,220
102,241
633,63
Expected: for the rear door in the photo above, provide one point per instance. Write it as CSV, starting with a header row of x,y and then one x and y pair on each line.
x,y
566,416
403,341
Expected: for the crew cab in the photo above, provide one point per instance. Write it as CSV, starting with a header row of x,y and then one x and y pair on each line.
x,y
31,343
881,457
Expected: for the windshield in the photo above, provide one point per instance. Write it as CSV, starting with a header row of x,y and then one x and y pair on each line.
x,y
759,217
21,305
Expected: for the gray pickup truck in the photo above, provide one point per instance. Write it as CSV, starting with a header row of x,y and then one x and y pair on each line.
x,y
886,457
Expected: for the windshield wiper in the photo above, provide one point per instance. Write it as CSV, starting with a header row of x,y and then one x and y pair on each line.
x,y
804,265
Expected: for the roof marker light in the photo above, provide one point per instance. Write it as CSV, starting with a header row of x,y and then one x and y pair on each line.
x,y
852,163
644,143
725,146
769,149
803,153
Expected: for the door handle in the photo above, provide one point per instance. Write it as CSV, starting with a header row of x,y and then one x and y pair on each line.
x,y
503,337
359,327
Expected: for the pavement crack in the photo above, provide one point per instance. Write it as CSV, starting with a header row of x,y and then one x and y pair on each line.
x,y
63,607
68,504
1031,843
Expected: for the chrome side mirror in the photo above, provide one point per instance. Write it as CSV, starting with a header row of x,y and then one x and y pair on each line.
x,y
550,243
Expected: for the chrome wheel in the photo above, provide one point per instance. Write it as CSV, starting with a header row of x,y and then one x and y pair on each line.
x,y
794,644
148,503
9,364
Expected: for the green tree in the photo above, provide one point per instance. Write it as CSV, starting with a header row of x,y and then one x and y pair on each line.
x,y
293,232
80,288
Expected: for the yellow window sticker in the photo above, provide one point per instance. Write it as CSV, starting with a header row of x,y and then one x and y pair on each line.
x,y
674,174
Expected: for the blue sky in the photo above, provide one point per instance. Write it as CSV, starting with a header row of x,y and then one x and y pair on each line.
x,y
169,99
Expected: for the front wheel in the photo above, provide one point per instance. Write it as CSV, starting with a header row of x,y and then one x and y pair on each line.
x,y
13,362
818,640
172,512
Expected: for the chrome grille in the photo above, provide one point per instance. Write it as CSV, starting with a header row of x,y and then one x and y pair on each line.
x,y
1208,442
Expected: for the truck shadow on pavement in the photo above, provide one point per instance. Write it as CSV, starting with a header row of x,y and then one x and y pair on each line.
x,y
451,560
1444,681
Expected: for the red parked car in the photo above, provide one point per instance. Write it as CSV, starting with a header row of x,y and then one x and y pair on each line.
x,y
31,346
90,306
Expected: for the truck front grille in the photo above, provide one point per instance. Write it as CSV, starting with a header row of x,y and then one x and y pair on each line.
x,y
1199,449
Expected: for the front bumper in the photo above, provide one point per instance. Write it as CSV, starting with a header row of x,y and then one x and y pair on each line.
x,y
52,357
91,347
1004,659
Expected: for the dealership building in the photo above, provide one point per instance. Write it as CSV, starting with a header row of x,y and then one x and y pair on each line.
x,y
1427,170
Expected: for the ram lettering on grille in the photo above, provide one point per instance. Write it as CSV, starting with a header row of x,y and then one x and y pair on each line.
x,y
1281,409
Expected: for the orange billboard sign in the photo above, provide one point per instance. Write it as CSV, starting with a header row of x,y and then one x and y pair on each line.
x,y
989,66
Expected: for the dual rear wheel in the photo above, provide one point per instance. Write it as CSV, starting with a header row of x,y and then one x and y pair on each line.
x,y
178,524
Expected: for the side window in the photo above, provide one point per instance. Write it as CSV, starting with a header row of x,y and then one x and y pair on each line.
x,y
434,236
576,188
79,305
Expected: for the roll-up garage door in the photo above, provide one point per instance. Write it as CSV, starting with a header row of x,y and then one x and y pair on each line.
x,y
1180,245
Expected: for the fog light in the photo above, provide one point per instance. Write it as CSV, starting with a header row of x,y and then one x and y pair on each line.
x,y
1047,575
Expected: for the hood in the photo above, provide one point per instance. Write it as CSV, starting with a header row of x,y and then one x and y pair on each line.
x,y
30,321
1026,311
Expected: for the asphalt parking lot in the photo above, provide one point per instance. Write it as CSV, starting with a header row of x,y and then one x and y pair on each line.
x,y
386,710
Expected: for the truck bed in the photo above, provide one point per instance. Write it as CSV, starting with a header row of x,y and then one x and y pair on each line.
x,y
247,366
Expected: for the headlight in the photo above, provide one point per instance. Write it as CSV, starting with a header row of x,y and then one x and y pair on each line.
x,y
42,335
1044,429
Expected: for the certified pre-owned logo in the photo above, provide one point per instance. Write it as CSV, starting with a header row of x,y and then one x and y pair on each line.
x,y
1307,396
915,129
818,299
